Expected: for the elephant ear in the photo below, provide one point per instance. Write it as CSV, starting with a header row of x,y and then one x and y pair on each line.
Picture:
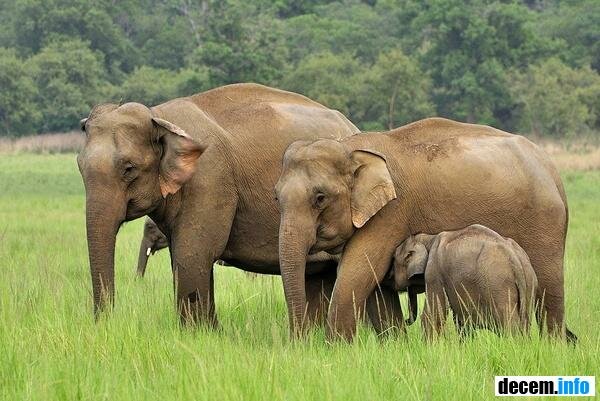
x,y
417,261
373,187
179,155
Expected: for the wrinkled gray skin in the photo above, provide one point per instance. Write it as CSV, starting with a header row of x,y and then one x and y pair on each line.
x,y
486,279
153,240
367,193
203,168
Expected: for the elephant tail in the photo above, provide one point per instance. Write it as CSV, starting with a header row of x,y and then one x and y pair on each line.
x,y
519,262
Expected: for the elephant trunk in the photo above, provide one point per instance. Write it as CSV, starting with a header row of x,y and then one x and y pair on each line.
x,y
102,223
145,249
295,241
412,305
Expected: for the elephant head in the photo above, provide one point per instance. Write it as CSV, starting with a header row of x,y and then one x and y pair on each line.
x,y
325,192
407,273
130,162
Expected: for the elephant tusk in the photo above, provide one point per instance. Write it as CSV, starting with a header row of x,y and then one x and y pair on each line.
x,y
148,251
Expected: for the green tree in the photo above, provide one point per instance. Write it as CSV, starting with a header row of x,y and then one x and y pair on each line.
x,y
152,86
169,42
147,85
240,44
576,23
395,92
70,78
18,112
342,53
352,28
291,8
557,100
470,47
37,23
334,80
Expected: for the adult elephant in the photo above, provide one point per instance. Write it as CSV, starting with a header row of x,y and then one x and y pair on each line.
x,y
203,168
371,191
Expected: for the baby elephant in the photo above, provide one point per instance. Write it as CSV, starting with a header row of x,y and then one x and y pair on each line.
x,y
485,278
152,241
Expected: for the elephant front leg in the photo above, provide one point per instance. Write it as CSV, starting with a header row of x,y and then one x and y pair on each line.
x,y
365,262
435,310
198,239
195,293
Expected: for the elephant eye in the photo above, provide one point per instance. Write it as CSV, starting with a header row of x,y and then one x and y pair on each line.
x,y
128,170
409,255
319,199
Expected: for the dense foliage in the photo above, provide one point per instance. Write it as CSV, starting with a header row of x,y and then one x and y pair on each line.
x,y
528,66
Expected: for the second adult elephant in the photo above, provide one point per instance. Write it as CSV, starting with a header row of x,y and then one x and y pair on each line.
x,y
203,168
368,193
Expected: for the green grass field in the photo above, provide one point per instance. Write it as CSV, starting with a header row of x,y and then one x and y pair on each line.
x,y
51,348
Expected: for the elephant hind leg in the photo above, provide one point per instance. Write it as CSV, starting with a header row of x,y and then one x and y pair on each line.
x,y
195,296
546,253
550,313
550,297
554,308
550,309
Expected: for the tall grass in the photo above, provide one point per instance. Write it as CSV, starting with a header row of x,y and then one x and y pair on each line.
x,y
51,348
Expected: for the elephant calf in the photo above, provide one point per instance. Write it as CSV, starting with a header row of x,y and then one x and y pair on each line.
x,y
152,241
486,279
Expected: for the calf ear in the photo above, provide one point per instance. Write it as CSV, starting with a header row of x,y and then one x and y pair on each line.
x,y
178,158
417,261
373,187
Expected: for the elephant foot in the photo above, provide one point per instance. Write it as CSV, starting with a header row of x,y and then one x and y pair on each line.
x,y
193,312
